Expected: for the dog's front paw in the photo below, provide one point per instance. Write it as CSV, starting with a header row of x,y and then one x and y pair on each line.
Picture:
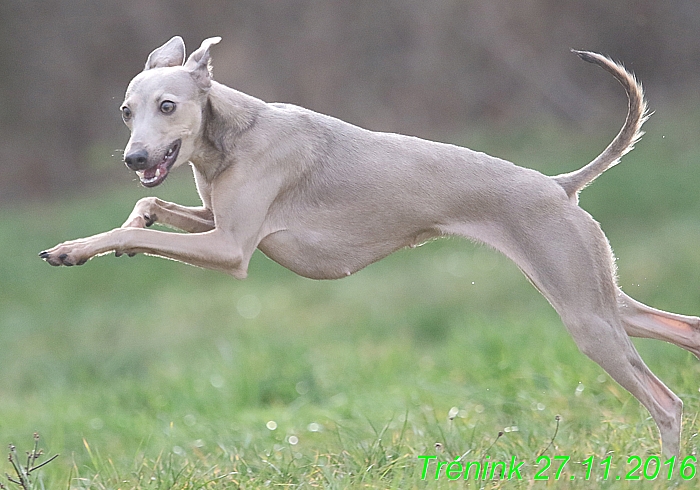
x,y
67,253
140,221
144,213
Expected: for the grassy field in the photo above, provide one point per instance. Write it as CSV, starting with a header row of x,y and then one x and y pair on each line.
x,y
145,373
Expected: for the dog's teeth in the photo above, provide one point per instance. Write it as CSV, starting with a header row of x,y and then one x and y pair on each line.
x,y
142,175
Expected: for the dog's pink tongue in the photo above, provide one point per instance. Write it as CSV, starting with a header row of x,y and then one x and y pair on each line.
x,y
150,173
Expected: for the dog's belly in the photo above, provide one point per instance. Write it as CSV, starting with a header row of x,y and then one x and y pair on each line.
x,y
318,256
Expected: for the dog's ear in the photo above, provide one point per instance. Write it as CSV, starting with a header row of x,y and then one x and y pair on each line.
x,y
199,62
171,53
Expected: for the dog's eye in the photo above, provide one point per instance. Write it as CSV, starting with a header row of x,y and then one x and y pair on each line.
x,y
167,106
126,113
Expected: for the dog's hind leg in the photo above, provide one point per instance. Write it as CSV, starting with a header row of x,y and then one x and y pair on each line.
x,y
602,338
568,259
640,320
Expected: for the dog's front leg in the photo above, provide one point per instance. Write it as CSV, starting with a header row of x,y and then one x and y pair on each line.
x,y
150,210
213,249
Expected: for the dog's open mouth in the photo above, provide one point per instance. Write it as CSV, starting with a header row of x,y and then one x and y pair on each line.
x,y
156,174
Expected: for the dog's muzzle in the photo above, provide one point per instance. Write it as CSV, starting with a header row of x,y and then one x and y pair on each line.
x,y
153,170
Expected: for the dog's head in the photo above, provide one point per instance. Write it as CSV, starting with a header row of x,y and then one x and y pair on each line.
x,y
163,109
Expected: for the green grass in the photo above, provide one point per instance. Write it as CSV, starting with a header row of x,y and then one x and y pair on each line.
x,y
145,373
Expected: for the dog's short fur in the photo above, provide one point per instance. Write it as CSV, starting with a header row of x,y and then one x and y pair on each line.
x,y
325,198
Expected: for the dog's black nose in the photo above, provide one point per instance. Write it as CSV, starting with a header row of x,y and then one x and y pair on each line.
x,y
136,160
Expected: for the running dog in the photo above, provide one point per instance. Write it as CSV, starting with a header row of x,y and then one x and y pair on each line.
x,y
325,198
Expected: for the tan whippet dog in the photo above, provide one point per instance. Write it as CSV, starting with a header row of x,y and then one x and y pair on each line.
x,y
325,198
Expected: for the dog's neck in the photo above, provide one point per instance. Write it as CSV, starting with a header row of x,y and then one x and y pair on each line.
x,y
226,115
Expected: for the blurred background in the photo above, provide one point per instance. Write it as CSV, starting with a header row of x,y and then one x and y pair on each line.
x,y
133,355
432,69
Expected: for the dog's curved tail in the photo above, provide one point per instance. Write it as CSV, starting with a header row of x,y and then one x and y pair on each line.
x,y
625,140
